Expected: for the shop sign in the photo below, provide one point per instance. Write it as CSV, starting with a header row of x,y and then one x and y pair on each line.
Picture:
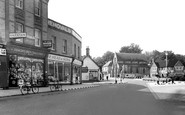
x,y
2,51
25,52
17,35
59,26
59,58
84,69
77,62
47,43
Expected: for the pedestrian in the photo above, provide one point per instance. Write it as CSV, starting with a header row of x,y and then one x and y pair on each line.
x,y
107,78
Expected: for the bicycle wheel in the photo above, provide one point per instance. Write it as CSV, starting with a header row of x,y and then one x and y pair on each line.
x,y
23,90
59,87
35,89
52,87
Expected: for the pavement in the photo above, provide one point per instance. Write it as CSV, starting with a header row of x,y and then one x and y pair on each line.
x,y
16,91
168,91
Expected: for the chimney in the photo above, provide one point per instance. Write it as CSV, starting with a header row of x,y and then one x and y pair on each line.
x,y
87,51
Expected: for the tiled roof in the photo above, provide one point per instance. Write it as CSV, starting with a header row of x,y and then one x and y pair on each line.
x,y
131,56
109,63
162,63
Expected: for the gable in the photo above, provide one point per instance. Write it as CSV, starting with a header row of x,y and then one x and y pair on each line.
x,y
178,64
88,62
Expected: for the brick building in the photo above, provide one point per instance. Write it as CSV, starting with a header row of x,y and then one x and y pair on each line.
x,y
24,34
67,47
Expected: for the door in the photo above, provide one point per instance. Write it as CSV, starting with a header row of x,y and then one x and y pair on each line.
x,y
3,72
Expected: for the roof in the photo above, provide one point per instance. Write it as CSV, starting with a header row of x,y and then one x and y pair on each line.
x,y
162,63
109,63
91,59
131,56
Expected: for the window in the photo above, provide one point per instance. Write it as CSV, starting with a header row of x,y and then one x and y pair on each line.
x,y
37,37
64,46
19,4
53,43
78,52
75,50
37,7
19,29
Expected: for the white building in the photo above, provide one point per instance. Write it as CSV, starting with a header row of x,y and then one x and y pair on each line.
x,y
106,70
93,73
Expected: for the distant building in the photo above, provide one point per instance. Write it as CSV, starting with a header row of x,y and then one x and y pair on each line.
x,y
93,73
130,65
106,70
174,68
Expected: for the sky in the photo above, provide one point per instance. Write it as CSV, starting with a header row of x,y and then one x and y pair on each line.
x,y
108,25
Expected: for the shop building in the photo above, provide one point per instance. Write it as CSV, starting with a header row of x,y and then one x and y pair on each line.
x,y
23,29
64,58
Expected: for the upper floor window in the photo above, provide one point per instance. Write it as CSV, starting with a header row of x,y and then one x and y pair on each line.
x,y
37,37
19,28
37,7
78,52
19,4
75,50
53,43
64,46
179,68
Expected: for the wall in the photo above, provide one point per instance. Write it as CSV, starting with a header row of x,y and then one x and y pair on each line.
x,y
60,36
2,21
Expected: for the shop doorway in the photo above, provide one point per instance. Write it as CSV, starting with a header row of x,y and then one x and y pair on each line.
x,y
3,72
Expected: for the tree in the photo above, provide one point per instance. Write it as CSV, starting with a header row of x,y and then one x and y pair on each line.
x,y
108,56
99,61
133,48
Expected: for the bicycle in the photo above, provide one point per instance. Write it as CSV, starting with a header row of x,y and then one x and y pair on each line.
x,y
55,86
26,86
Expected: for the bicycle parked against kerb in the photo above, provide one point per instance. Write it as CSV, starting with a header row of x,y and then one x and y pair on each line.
x,y
26,85
54,84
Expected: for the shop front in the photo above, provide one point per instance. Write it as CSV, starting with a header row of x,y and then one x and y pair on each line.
x,y
27,62
59,68
77,73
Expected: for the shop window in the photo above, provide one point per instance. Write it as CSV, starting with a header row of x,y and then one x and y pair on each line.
x,y
51,72
37,7
19,28
19,4
37,37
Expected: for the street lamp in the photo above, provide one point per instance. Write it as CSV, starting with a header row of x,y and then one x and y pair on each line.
x,y
166,53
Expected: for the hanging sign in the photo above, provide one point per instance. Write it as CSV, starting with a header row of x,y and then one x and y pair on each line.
x,y
47,43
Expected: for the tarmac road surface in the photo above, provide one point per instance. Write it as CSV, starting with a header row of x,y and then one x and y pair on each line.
x,y
132,98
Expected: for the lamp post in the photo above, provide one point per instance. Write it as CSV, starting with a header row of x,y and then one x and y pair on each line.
x,y
166,63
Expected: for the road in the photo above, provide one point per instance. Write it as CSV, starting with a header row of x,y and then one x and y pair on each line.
x,y
132,98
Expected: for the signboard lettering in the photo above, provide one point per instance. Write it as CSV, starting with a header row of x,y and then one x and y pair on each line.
x,y
17,35
59,58
47,43
77,62
59,26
